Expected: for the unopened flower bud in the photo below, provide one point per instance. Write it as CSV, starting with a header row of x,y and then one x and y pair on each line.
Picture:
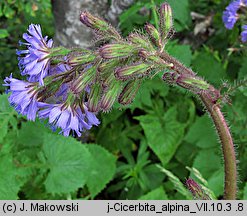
x,y
93,22
94,98
132,71
153,34
58,51
143,53
140,40
99,25
166,21
81,60
84,79
110,51
196,190
188,82
129,92
193,82
110,96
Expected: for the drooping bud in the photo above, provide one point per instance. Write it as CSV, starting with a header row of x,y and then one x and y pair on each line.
x,y
58,51
107,66
50,88
170,77
133,71
188,82
192,83
153,34
93,22
110,96
106,71
81,59
110,51
86,78
99,25
129,92
166,21
140,41
151,58
94,97
196,190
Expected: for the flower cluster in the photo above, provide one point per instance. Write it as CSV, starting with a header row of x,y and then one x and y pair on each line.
x,y
68,87
46,92
232,14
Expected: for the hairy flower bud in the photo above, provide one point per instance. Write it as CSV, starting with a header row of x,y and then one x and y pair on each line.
x,y
99,25
94,98
93,22
188,82
153,34
196,190
86,78
133,71
151,58
110,96
81,59
110,51
140,40
129,92
166,21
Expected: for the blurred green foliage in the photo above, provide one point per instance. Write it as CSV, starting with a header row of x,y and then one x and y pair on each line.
x,y
144,151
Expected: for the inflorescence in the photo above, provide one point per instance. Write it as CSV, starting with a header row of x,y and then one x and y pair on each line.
x,y
233,13
70,86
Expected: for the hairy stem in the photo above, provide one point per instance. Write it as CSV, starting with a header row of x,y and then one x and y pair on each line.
x,y
227,147
209,99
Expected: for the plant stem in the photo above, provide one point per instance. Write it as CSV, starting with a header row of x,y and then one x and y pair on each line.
x,y
230,167
227,147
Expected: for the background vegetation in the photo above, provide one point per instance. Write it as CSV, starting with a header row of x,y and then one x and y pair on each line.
x,y
146,150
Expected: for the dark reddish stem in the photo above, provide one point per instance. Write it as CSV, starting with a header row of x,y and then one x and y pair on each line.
x,y
209,99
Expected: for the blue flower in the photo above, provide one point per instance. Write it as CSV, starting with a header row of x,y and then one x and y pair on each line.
x,y
244,34
230,15
69,118
35,61
23,97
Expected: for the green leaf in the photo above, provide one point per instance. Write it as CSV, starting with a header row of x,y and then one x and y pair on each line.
x,y
179,186
181,14
68,162
3,33
207,66
163,134
156,194
208,162
6,117
32,134
102,167
243,70
245,192
143,99
216,182
12,178
182,52
201,133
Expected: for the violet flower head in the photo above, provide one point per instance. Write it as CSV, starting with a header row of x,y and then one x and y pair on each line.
x,y
23,97
35,61
230,15
244,34
69,118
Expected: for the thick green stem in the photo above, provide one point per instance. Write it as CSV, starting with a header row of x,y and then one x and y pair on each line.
x,y
209,99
